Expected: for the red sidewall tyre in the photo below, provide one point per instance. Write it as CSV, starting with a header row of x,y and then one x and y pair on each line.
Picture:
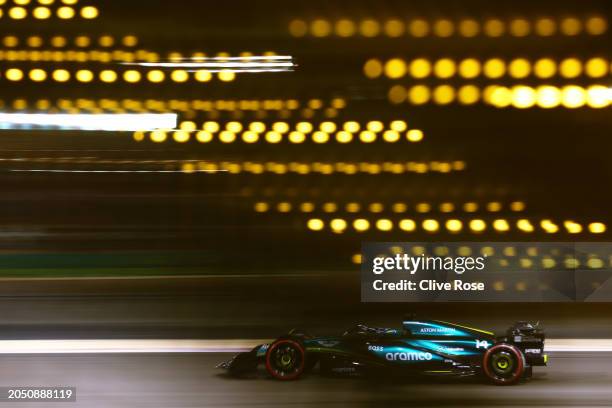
x,y
273,372
520,364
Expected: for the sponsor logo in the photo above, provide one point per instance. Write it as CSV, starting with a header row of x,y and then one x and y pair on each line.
x,y
437,329
404,356
533,351
482,344
375,348
451,349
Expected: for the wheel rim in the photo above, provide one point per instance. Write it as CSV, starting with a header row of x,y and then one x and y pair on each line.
x,y
503,364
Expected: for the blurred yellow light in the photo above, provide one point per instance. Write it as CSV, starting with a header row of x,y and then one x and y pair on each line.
x,y
519,27
523,96
597,227
469,68
158,136
69,2
138,136
280,127
298,28
384,225
470,207
351,126
65,13
204,136
443,28
454,225
468,94
571,26
519,68
156,76
345,28
444,68
596,25
407,225
84,75
367,136
414,135
273,137
250,137
524,225
188,125
501,96
41,13
89,12
570,68
494,28
17,13
344,136
395,68
181,136
297,137
361,224
131,76
419,94
61,75
307,207
443,94
202,75
337,225
545,27
320,28
130,41
108,75
501,225
430,225
19,2
394,28
260,127
369,28
375,126
227,136
391,136
328,127
315,224
477,225
573,96
398,125
303,127
420,68
596,67
227,76
234,127
548,96
517,206
545,68
179,75
212,127
38,75
397,94
549,227
572,227
469,28
494,68
598,96
261,207
422,207
418,28
10,41
373,68
320,137
330,207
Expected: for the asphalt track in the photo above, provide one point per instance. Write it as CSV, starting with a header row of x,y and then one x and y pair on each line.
x,y
190,380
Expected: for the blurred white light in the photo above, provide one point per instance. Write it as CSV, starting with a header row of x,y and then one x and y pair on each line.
x,y
89,121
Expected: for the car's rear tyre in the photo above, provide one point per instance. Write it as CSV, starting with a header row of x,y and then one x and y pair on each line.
x,y
285,359
504,364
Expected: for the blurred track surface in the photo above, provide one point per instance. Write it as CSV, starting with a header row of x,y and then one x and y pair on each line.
x,y
190,380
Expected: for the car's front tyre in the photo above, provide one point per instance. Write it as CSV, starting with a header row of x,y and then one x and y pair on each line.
x,y
285,359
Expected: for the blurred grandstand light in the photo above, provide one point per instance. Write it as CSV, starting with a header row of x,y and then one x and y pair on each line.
x,y
108,122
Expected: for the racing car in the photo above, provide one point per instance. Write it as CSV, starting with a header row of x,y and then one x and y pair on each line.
x,y
419,347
